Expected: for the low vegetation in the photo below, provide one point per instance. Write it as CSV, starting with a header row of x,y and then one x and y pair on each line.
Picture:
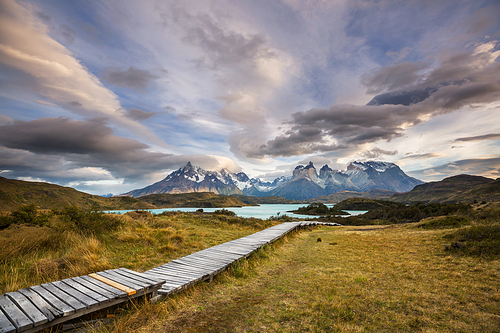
x,y
43,246
367,204
395,213
319,209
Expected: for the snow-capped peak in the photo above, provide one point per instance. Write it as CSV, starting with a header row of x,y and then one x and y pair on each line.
x,y
376,165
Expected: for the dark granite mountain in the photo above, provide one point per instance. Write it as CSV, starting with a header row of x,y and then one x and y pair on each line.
x,y
359,176
195,179
305,182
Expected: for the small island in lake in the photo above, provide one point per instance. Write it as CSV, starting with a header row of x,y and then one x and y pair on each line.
x,y
319,209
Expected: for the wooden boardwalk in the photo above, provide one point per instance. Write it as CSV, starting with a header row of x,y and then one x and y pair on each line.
x,y
38,307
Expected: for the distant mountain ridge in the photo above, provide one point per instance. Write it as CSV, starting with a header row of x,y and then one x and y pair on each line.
x,y
460,188
305,182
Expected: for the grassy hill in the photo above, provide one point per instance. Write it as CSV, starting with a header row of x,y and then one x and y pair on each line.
x,y
461,188
195,199
14,193
343,195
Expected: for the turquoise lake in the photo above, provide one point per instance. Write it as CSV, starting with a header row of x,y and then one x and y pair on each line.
x,y
261,212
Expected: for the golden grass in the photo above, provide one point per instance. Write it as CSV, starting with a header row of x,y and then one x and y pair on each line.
x,y
357,279
31,255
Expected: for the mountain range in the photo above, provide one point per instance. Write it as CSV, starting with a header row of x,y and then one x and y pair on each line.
x,y
305,182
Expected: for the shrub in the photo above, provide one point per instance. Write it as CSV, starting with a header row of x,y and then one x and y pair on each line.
x,y
479,240
29,214
224,211
5,221
445,222
89,222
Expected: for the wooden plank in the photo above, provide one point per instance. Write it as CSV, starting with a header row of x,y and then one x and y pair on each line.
x,y
101,291
114,284
166,277
206,261
171,272
177,270
54,301
130,281
86,291
199,263
176,279
139,277
118,275
6,325
121,280
216,258
153,281
116,291
176,265
29,309
46,308
88,301
15,315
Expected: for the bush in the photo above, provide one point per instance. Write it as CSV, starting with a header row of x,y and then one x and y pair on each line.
x,y
29,214
89,222
5,221
224,211
445,222
479,240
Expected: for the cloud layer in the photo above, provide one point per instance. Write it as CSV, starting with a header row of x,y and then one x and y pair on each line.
x,y
122,92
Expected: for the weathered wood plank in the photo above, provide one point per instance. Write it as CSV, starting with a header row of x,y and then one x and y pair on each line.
x,y
195,263
86,291
153,281
101,291
171,272
46,308
111,289
180,266
118,274
139,277
174,279
6,325
16,315
103,279
88,301
53,300
23,303
65,297
187,273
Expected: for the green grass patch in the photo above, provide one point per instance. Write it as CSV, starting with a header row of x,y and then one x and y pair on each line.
x,y
477,240
444,222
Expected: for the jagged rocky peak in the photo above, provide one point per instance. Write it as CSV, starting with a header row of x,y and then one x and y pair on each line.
x,y
308,172
325,171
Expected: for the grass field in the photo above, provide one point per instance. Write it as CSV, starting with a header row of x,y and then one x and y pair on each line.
x,y
356,279
57,249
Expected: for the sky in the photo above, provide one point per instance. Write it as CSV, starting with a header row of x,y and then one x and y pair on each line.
x,y
110,96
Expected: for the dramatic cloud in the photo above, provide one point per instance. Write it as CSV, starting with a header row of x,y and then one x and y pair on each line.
x,y
85,99
393,77
492,136
56,148
56,73
462,80
132,78
377,153
138,114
